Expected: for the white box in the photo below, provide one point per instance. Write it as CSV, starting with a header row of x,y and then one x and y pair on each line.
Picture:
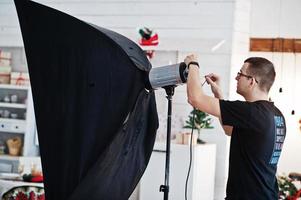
x,y
5,58
19,78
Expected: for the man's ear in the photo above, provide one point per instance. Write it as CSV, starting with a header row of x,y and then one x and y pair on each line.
x,y
253,81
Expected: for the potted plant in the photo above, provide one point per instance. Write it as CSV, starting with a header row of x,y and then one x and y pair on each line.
x,y
201,120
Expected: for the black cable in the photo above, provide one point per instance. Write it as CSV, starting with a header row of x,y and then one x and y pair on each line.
x,y
190,149
190,155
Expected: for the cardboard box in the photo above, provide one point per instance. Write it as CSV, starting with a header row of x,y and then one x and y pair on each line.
x,y
4,63
5,55
5,75
184,138
5,58
19,78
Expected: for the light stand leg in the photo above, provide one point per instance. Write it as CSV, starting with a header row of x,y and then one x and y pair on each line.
x,y
165,188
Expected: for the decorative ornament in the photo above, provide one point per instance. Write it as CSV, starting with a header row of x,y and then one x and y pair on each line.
x,y
150,53
148,37
294,81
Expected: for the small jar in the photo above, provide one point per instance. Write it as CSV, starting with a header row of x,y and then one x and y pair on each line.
x,y
14,98
2,148
13,115
6,113
6,99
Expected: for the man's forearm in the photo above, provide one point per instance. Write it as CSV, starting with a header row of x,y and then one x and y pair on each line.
x,y
219,95
195,94
227,129
194,89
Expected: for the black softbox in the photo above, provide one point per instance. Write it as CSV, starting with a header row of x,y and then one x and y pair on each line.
x,y
96,122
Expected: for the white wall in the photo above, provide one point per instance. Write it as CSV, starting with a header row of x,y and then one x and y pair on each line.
x,y
276,18
279,18
189,25
240,43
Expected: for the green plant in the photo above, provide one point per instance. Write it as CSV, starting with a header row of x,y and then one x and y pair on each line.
x,y
201,121
286,187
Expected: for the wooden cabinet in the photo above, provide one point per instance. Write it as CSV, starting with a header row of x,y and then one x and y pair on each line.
x,y
201,181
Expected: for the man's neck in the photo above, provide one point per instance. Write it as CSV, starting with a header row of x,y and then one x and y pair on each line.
x,y
257,96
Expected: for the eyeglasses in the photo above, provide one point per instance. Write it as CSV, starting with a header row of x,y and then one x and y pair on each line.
x,y
239,74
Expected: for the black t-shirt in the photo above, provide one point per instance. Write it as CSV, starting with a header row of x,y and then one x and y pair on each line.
x,y
256,142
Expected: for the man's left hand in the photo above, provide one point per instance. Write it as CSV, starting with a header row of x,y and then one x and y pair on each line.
x,y
190,58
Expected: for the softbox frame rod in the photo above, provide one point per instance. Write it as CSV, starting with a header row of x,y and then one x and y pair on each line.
x,y
165,188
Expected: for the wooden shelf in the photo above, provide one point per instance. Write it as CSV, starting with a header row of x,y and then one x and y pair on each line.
x,y
15,87
9,157
17,126
13,105
13,120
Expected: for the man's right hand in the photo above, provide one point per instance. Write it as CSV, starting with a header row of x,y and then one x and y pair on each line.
x,y
214,81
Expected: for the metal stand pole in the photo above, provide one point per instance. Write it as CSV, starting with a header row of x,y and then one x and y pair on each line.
x,y
165,188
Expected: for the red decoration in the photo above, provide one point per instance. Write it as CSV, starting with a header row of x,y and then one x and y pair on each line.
x,y
37,179
150,53
148,37
41,197
32,195
152,41
21,196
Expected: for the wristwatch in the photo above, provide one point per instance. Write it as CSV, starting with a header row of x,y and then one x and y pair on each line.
x,y
193,63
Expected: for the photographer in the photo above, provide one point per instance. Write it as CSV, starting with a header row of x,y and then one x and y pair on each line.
x,y
256,126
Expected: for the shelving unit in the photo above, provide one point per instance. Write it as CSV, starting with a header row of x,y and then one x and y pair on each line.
x,y
17,119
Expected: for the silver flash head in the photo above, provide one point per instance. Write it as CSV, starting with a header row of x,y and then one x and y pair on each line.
x,y
168,75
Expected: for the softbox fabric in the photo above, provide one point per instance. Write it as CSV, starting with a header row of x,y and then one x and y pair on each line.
x,y
96,122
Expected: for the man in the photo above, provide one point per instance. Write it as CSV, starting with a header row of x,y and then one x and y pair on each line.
x,y
257,128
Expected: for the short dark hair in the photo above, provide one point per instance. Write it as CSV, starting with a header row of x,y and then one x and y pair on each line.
x,y
263,70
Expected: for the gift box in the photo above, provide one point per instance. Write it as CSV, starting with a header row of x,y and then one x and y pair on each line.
x,y
5,74
185,138
4,62
5,58
19,78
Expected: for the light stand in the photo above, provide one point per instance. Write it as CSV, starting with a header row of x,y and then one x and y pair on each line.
x,y
165,188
